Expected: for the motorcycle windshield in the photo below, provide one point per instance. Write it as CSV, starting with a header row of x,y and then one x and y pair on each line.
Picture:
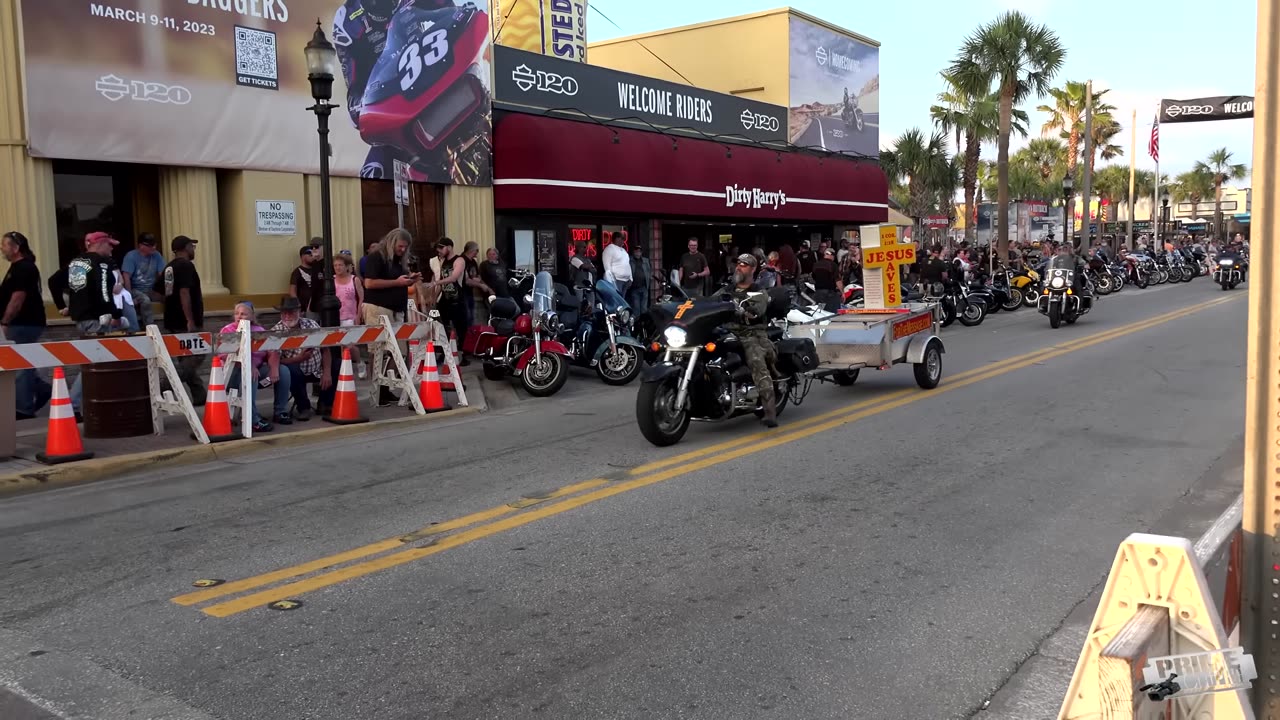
x,y
544,302
1061,272
609,296
417,54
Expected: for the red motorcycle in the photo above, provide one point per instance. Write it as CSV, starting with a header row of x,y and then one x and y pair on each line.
x,y
426,93
522,344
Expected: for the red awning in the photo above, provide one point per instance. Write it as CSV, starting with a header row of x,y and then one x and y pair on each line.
x,y
543,163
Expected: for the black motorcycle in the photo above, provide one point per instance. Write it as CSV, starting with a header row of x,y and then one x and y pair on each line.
x,y
1229,272
703,373
1060,301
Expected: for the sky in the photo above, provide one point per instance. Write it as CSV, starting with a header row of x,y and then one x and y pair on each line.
x,y
1141,50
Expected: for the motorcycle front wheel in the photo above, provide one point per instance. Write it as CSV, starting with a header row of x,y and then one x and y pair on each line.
x,y
544,376
1055,315
619,367
660,421
1030,296
973,315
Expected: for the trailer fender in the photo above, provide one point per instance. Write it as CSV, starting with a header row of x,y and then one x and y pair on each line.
x,y
915,351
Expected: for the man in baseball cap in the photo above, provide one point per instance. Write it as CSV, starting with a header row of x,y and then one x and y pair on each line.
x,y
752,330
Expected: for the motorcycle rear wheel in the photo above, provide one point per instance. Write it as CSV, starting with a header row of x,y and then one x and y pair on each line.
x,y
660,427
781,394
493,372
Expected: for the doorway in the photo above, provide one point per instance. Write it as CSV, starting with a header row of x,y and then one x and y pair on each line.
x,y
115,198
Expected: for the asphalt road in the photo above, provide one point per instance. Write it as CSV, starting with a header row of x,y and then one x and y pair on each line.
x,y
832,134
888,553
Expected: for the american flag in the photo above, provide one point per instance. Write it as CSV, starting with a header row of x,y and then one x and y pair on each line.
x,y
1153,147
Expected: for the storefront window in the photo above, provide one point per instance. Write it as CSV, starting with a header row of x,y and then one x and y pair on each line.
x,y
524,250
583,235
616,234
90,197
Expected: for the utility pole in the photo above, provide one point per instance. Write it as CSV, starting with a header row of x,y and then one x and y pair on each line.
x,y
1133,164
1086,187
1261,606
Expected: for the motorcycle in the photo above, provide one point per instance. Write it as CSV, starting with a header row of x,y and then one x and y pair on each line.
x,y
523,345
1007,297
426,95
851,115
703,373
1228,274
1059,300
594,325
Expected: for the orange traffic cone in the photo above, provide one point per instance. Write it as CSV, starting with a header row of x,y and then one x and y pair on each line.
x,y
429,390
217,413
346,404
63,442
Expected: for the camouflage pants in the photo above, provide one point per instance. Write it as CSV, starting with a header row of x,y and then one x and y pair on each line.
x,y
761,356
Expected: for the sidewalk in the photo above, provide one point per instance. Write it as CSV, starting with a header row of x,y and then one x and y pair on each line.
x,y
176,447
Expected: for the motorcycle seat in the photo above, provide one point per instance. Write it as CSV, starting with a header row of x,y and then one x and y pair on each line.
x,y
504,327
503,309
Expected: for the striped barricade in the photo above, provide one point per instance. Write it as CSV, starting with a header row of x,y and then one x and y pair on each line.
x,y
160,350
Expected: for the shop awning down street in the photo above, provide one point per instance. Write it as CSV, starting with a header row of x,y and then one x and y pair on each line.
x,y
543,163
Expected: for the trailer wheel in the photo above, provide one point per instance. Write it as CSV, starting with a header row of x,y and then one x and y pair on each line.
x,y
929,370
845,378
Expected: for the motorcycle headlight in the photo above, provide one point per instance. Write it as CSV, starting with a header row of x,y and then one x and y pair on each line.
x,y
1226,263
551,322
624,316
675,337
1057,282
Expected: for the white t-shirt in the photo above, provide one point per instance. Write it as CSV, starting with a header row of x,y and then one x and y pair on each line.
x,y
617,264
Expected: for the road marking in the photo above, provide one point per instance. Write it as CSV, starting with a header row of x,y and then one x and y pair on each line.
x,y
324,563
775,439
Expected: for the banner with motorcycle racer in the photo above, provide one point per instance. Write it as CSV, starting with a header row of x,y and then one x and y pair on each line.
x,y
547,27
835,90
223,84
1219,107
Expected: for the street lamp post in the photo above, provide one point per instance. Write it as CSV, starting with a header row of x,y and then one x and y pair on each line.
x,y
322,61
1164,216
1068,227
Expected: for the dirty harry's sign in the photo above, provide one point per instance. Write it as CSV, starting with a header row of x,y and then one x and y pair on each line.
x,y
540,84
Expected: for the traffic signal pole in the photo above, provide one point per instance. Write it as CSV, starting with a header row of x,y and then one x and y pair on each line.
x,y
1261,524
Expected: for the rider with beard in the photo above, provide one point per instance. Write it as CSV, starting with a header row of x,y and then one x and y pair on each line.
x,y
360,36
751,329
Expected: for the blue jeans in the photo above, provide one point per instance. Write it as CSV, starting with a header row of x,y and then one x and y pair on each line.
x,y
32,391
131,315
281,389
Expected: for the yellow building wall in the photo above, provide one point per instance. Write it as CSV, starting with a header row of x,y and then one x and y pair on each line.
x,y
744,56
468,216
258,266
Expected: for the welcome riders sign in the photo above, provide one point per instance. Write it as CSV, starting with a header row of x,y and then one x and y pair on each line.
x,y
1220,107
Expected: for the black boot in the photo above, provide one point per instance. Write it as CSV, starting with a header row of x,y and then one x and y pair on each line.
x,y
770,413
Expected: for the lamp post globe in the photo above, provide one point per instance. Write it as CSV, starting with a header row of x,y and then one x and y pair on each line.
x,y
322,63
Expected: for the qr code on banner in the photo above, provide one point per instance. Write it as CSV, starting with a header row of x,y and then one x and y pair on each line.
x,y
256,58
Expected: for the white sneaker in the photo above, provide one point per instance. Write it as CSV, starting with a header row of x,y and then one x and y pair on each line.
x,y
361,370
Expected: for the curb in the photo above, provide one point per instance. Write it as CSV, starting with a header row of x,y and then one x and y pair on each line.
x,y
96,469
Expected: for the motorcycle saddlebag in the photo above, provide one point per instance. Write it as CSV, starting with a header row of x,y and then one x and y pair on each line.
x,y
796,355
472,339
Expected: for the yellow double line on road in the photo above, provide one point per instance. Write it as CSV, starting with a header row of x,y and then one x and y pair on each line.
x,y
502,518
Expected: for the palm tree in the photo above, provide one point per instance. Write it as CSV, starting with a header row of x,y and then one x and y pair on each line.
x,y
1067,116
1049,157
1220,169
921,165
1017,59
1105,128
1192,186
976,118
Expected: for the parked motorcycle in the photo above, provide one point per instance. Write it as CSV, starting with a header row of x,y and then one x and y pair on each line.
x,y
1059,300
703,373
523,345
595,325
